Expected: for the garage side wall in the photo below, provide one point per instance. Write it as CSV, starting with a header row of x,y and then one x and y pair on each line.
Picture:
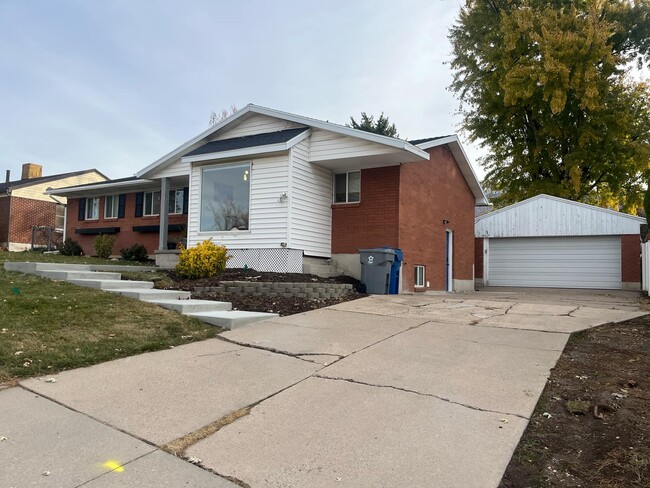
x,y
631,262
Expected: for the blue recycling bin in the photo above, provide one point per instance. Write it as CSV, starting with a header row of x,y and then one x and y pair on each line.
x,y
395,268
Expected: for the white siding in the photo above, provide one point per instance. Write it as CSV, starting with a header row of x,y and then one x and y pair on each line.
x,y
327,145
257,124
174,169
268,217
310,200
551,216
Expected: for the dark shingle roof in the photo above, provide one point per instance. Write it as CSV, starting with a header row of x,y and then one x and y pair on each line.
x,y
248,141
415,142
42,179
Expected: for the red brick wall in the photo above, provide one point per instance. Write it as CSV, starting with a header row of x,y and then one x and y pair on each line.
x,y
431,192
25,213
126,237
4,218
373,221
630,258
478,257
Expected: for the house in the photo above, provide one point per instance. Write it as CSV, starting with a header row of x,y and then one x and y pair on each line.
x,y
285,192
25,206
551,242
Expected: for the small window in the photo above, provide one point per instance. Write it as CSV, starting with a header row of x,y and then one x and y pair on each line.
x,y
419,276
152,203
59,222
176,201
347,187
111,207
92,208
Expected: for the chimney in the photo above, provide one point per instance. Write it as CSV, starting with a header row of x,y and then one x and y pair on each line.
x,y
8,178
31,170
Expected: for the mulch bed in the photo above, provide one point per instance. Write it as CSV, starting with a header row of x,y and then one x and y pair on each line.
x,y
264,303
591,427
239,274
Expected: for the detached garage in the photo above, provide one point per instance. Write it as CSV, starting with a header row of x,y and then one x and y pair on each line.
x,y
551,242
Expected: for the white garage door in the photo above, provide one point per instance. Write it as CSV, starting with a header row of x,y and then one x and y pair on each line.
x,y
555,262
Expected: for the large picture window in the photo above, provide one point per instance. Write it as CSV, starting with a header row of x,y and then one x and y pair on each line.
x,y
347,187
225,197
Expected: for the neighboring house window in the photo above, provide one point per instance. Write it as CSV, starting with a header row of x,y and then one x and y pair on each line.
x,y
92,208
347,187
59,221
419,276
225,198
152,203
111,207
176,201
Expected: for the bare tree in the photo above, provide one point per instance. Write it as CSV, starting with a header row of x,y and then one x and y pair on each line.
x,y
228,215
215,117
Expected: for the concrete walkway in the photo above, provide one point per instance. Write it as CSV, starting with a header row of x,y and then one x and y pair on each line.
x,y
384,391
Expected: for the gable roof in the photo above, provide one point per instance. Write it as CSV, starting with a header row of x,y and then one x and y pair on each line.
x,y
12,185
299,119
564,201
461,158
245,142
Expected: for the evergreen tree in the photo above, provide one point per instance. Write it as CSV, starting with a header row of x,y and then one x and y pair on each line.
x,y
381,126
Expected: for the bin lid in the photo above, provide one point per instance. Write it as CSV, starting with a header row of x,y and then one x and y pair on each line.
x,y
384,250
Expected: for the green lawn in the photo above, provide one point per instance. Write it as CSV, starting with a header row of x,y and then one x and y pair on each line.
x,y
39,257
49,326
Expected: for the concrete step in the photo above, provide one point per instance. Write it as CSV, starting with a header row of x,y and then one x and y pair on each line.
x,y
112,284
232,319
77,275
148,294
192,306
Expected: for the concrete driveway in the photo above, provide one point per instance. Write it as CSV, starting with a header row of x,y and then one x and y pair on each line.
x,y
420,390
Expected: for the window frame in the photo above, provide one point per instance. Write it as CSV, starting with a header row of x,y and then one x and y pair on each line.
x,y
175,192
59,206
250,196
115,207
423,283
144,203
89,207
347,187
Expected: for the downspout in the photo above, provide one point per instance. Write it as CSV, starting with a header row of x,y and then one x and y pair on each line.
x,y
9,216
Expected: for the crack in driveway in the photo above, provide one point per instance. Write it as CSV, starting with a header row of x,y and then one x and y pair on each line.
x,y
406,390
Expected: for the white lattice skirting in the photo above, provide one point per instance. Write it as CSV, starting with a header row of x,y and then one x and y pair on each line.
x,y
273,260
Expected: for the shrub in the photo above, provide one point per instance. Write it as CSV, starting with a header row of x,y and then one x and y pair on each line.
x,y
103,245
202,261
137,252
70,248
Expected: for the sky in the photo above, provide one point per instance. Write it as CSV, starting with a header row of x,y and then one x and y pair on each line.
x,y
116,84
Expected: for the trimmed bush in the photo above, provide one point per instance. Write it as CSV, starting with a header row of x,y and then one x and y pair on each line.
x,y
137,252
202,261
103,245
70,248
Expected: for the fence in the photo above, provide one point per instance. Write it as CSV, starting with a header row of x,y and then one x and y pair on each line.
x,y
645,266
46,238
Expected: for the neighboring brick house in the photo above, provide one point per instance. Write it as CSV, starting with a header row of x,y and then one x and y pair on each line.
x,y
25,205
289,193
130,210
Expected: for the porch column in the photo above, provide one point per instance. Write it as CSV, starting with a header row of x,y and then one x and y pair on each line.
x,y
164,214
